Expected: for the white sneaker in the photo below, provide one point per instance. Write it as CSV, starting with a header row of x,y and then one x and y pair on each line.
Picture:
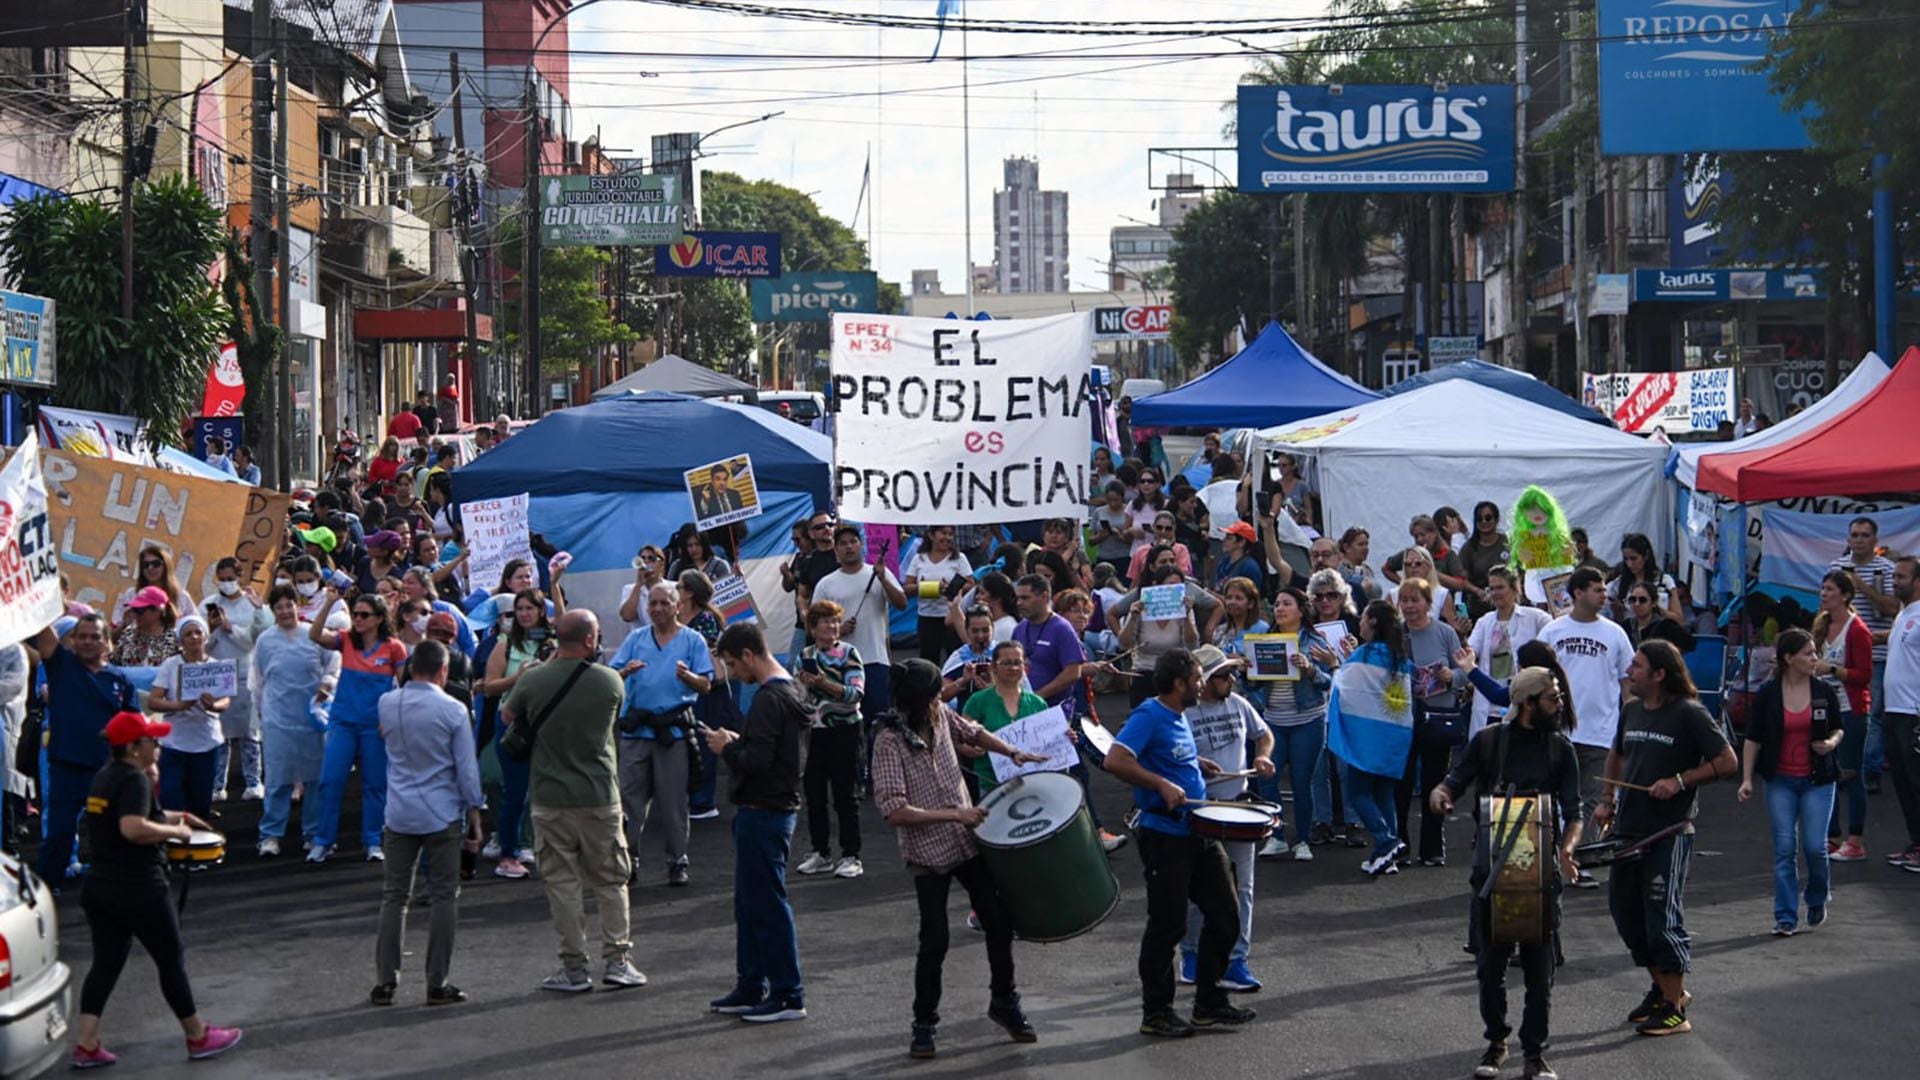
x,y
491,849
319,853
1273,848
817,863
374,854
220,795
525,855
256,793
849,867
704,815
1302,853
269,846
621,974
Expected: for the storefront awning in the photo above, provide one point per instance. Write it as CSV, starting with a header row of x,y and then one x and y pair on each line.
x,y
418,324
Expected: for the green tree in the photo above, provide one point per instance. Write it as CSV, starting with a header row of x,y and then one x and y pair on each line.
x,y
576,317
153,367
1219,264
258,342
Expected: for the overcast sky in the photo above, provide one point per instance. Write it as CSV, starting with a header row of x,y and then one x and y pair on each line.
x,y
1090,120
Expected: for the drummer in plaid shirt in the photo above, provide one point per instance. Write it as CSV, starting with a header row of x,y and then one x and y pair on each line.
x,y
918,787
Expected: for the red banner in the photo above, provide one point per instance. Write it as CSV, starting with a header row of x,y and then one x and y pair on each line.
x,y
226,388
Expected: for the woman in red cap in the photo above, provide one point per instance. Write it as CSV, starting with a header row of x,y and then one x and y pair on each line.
x,y
125,895
147,637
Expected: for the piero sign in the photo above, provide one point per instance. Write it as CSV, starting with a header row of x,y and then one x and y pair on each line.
x,y
1376,138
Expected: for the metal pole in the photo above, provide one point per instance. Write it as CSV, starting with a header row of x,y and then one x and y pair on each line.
x,y
1886,266
1514,353
260,206
966,156
1301,328
530,261
128,76
1617,263
469,258
1273,259
283,411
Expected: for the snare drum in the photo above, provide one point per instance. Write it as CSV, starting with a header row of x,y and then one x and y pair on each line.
x,y
205,848
1249,822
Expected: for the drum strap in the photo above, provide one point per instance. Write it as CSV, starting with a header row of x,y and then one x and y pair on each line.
x,y
1503,846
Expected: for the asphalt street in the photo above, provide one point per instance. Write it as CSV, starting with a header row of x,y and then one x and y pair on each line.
x,y
1364,978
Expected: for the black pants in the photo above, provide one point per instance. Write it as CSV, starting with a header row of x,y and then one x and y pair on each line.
x,y
1903,761
1490,967
118,913
1425,768
937,640
1646,897
931,890
833,759
1183,869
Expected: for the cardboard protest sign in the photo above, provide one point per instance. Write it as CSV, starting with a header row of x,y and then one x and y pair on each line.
x,y
220,678
723,492
1043,733
497,533
735,600
943,422
1160,602
29,565
104,512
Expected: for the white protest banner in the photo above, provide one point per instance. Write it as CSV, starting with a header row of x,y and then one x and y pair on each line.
x,y
496,532
95,434
29,563
219,678
723,492
1043,733
1670,401
940,421
1159,602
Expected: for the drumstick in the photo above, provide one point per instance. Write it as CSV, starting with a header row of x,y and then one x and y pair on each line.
x,y
1624,784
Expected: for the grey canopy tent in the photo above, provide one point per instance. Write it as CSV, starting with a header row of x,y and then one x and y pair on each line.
x,y
680,376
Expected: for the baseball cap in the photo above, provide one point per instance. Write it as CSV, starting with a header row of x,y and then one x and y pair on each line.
x,y
1530,683
1212,661
321,537
149,596
1242,530
442,622
130,727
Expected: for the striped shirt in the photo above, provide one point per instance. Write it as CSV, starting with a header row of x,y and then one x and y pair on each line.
x,y
841,663
1875,574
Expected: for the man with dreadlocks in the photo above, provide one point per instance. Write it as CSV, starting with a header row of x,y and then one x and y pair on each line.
x,y
918,787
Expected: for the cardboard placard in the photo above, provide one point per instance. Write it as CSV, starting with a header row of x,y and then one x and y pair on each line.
x,y
1043,733
1270,657
723,492
497,533
735,600
220,678
1160,602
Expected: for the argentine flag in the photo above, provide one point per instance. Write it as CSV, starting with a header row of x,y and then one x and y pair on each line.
x,y
1370,711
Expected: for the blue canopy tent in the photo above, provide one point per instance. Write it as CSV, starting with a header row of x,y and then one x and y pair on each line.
x,y
607,477
1272,381
1507,381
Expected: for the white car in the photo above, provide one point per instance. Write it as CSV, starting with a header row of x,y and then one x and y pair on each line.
x,y
34,984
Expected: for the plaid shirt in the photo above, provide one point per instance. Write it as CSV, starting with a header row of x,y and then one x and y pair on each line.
x,y
926,779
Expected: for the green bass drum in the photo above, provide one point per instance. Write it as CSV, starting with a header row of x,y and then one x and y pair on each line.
x,y
1040,845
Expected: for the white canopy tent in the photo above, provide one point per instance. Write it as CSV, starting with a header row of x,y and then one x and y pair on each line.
x,y
1866,375
1455,443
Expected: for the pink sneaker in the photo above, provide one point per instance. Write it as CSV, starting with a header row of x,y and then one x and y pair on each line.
x,y
216,1041
1832,846
1848,852
510,867
98,1057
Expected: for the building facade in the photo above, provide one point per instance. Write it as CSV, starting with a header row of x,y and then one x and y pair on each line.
x,y
1029,232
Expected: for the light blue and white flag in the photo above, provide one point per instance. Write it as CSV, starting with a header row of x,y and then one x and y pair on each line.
x,y
1370,711
1800,546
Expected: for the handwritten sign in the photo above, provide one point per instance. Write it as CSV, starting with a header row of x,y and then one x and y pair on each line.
x,y
1270,657
1158,602
735,600
1335,634
723,492
218,678
944,422
103,512
29,566
1043,733
496,532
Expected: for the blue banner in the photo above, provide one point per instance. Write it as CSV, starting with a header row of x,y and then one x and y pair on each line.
x,y
813,296
26,339
1693,213
231,430
1681,76
1376,138
703,253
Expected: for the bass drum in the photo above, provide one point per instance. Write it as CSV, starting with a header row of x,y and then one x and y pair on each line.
x,y
1521,903
1039,844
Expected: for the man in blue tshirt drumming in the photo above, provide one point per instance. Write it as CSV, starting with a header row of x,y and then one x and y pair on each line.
x,y
1155,753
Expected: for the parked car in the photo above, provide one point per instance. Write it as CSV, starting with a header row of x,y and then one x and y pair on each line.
x,y
35,1005
800,406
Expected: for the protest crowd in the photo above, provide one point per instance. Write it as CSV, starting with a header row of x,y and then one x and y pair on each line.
x,y
1204,636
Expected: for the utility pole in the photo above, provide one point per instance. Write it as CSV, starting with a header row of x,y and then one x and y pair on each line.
x,y
1514,352
1617,262
469,258
128,74
282,421
260,198
1302,326
1273,261
530,260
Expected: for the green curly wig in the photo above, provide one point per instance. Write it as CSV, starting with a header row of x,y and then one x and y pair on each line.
x,y
1545,547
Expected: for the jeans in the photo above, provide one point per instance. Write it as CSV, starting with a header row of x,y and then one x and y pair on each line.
x,y
833,765
1326,772
1240,854
186,781
66,795
931,891
1593,765
511,826
1298,749
1426,767
345,744
249,764
1183,869
442,850
1874,754
1903,760
653,774
1853,779
1536,967
1371,796
1795,804
582,846
766,950
119,913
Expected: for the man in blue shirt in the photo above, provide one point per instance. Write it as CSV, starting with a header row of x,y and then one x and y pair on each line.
x,y
83,693
1155,752
666,667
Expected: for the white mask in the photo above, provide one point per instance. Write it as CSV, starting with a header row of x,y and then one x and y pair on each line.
x,y
307,588
229,588
419,624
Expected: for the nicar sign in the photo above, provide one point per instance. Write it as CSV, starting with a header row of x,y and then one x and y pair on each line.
x,y
942,421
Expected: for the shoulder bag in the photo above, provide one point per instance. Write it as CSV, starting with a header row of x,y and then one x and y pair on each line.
x,y
518,740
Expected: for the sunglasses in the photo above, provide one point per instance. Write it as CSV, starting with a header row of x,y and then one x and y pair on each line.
x,y
1163,528
1326,596
149,564
1639,600
366,614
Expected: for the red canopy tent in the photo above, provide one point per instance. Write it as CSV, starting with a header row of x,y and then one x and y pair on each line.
x,y
1871,448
